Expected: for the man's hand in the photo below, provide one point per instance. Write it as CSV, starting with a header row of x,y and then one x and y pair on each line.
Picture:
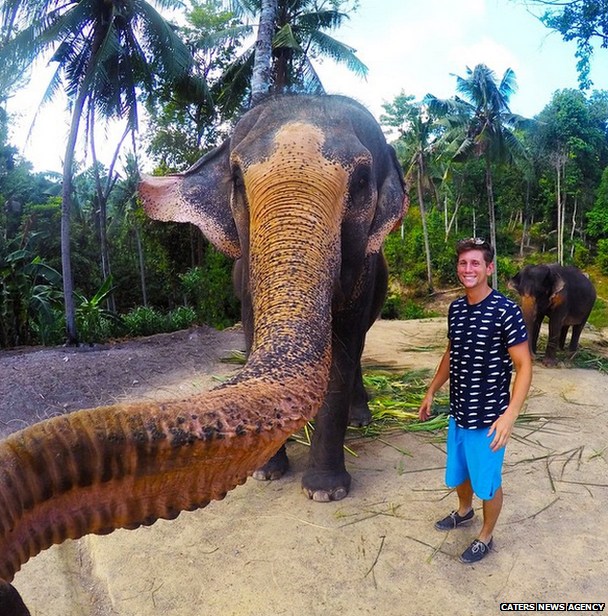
x,y
501,429
426,408
441,376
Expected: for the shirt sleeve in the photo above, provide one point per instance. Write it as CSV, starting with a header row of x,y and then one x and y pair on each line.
x,y
514,327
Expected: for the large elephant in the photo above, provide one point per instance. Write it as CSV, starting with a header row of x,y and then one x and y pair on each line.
x,y
303,194
563,294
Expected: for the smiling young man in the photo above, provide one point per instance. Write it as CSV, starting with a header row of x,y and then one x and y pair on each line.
x,y
486,338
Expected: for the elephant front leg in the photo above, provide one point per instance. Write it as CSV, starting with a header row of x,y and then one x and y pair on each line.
x,y
552,343
326,478
11,603
275,468
359,413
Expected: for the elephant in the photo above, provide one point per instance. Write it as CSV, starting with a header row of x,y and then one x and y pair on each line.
x,y
563,294
302,195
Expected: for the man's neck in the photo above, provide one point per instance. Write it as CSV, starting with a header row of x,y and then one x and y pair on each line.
x,y
478,294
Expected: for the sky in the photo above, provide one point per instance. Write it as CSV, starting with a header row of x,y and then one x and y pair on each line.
x,y
408,45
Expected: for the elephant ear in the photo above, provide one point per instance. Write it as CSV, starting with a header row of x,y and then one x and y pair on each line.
x,y
201,196
515,282
393,202
558,286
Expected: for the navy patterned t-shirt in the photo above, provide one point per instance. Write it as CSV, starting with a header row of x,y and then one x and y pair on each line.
x,y
480,366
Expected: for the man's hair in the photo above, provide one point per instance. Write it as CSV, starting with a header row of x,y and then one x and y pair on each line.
x,y
475,243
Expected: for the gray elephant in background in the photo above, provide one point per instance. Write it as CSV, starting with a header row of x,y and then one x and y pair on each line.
x,y
563,294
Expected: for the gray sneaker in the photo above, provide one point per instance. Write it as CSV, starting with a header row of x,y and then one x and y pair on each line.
x,y
453,520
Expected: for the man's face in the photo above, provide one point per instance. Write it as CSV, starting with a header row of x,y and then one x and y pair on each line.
x,y
472,269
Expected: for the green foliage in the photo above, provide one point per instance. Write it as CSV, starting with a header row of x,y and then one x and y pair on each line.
x,y
145,321
507,268
581,21
182,317
601,258
95,322
208,289
597,217
398,307
29,296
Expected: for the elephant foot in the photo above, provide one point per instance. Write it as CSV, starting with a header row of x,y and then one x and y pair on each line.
x,y
275,468
11,603
359,415
326,486
549,362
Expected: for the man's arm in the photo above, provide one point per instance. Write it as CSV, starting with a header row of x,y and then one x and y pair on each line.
x,y
441,376
503,426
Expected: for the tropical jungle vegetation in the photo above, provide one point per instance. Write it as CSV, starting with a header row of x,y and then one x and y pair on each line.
x,y
80,262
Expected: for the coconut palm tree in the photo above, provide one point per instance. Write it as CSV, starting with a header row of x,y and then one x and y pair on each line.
x,y
299,35
418,138
104,51
262,67
481,124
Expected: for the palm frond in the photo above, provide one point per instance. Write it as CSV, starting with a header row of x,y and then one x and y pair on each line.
x,y
338,52
285,38
247,9
175,59
234,86
327,20
309,80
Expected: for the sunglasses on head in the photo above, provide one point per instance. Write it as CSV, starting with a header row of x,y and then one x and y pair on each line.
x,y
475,241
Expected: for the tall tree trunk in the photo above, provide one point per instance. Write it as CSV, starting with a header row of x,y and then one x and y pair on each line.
x,y
142,269
427,248
492,217
102,202
262,67
560,217
66,208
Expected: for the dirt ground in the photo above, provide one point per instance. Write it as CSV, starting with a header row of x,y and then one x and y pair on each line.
x,y
268,551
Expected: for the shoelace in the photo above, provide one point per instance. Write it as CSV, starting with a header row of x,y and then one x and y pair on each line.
x,y
478,546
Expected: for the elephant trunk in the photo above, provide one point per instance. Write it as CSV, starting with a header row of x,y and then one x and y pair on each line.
x,y
529,308
128,465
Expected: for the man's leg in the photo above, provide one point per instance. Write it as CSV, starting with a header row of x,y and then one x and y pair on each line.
x,y
465,498
491,511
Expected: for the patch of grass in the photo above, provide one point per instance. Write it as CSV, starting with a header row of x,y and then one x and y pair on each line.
x,y
589,359
599,315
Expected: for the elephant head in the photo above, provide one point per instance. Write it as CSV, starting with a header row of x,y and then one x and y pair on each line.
x,y
538,286
303,193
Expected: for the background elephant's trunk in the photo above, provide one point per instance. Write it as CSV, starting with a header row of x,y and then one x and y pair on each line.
x,y
119,467
529,308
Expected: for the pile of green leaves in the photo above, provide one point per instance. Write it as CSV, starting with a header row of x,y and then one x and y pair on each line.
x,y
395,400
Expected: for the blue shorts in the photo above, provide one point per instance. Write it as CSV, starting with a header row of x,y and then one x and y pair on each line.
x,y
470,457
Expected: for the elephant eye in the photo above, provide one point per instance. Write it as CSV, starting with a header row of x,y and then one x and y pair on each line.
x,y
237,179
361,176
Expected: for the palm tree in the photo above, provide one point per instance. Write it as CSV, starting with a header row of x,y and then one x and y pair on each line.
x,y
300,34
418,132
104,50
262,67
481,124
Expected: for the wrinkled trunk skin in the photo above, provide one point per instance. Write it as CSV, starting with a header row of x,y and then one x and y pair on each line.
x,y
124,466
529,309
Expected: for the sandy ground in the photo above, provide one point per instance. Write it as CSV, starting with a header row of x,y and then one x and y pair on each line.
x,y
268,551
